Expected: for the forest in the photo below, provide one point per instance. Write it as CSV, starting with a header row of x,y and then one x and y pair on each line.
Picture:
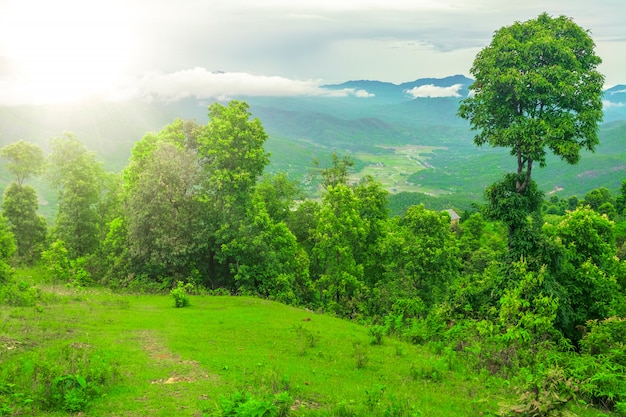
x,y
525,285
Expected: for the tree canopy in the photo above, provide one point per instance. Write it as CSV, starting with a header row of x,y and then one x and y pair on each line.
x,y
537,88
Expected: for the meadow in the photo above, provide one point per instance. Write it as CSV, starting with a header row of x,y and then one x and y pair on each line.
x,y
109,354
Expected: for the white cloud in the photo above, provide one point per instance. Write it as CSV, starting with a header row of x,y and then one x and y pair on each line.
x,y
202,84
198,83
618,91
609,104
432,91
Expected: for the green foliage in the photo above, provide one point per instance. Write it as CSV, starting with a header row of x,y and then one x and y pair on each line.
x,y
537,87
19,206
376,334
63,380
546,395
56,262
589,270
7,249
241,404
418,258
337,173
339,239
232,149
74,171
25,160
179,294
266,260
360,355
20,294
164,214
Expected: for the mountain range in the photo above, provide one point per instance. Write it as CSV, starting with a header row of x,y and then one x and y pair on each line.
x,y
405,135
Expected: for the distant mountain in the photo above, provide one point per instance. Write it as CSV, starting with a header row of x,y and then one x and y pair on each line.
x,y
406,135
615,103
387,93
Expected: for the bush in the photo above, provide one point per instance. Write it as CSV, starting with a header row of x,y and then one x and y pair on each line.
x,y
179,294
242,404
57,380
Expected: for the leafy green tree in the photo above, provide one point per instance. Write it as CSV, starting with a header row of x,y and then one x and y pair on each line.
x,y
180,133
589,271
598,197
278,193
25,160
339,237
19,207
373,203
233,158
419,256
76,173
7,249
337,173
536,88
266,259
164,214
620,201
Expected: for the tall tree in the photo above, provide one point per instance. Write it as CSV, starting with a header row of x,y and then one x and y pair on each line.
x,y
76,173
232,156
20,203
163,212
19,206
231,148
25,160
339,238
537,87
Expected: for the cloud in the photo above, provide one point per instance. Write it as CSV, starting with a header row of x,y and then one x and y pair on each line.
x,y
432,91
200,83
610,104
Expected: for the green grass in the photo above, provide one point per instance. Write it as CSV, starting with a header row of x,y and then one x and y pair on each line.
x,y
165,361
393,169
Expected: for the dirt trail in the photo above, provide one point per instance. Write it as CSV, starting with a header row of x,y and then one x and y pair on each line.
x,y
184,370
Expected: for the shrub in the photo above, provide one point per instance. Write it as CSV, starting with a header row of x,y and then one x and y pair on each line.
x,y
376,333
179,294
242,404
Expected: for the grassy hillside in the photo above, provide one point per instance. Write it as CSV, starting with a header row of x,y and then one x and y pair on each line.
x,y
142,357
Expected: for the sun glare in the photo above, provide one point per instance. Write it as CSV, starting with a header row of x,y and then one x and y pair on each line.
x,y
66,50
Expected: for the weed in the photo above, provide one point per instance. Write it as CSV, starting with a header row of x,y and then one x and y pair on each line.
x,y
376,335
374,396
399,350
241,404
546,395
179,294
55,380
305,337
360,355
425,373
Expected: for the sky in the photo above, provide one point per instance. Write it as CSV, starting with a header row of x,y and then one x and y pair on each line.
x,y
67,50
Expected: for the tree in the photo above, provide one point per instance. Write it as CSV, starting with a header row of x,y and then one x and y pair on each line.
x,y
589,271
337,173
231,148
7,249
536,88
419,256
598,197
339,238
25,160
77,175
278,193
19,206
163,212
